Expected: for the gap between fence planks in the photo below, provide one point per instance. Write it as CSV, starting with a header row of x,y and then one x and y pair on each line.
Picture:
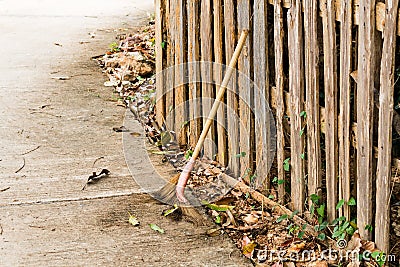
x,y
383,177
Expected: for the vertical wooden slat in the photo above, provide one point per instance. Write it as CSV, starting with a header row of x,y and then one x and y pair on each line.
x,y
206,73
180,109
296,87
231,95
383,177
280,102
169,94
194,71
261,91
244,83
330,83
312,97
365,100
159,20
344,105
218,58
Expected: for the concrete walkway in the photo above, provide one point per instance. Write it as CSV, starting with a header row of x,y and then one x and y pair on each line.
x,y
55,133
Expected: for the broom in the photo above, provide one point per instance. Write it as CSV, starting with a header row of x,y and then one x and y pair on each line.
x,y
174,190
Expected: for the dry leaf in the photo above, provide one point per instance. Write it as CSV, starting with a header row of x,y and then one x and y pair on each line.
x,y
250,219
367,245
214,232
247,246
296,247
318,264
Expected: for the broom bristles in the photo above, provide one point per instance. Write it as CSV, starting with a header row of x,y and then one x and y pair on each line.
x,y
167,194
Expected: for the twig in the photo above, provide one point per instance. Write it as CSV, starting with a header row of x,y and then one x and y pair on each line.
x,y
99,158
36,148
1,230
5,189
23,165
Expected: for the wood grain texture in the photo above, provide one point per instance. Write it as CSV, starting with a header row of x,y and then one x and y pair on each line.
x,y
344,122
206,36
296,90
280,101
217,71
330,83
261,94
194,71
383,177
245,92
365,102
311,51
231,95
379,19
170,77
180,89
159,19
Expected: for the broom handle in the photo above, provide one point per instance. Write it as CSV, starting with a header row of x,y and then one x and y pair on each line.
x,y
220,94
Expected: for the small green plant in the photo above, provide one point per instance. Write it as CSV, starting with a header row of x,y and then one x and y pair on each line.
x,y
114,47
379,257
188,154
286,164
241,155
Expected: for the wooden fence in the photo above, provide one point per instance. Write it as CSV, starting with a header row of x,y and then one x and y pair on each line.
x,y
327,69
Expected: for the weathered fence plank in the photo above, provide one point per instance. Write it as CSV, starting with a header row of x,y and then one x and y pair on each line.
x,y
261,91
194,71
206,73
344,105
159,19
180,96
296,87
365,102
169,94
330,83
311,50
245,92
231,94
383,177
218,58
280,102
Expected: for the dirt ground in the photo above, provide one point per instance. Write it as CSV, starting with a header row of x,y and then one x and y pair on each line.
x,y
56,121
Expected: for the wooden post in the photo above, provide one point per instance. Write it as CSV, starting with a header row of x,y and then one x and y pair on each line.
x,y
231,99
194,71
261,93
206,73
180,88
296,89
245,92
159,20
344,105
280,101
383,177
170,83
218,58
330,82
365,102
312,97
